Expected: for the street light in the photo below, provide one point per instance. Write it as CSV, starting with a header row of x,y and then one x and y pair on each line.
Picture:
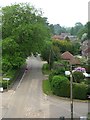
x,y
71,93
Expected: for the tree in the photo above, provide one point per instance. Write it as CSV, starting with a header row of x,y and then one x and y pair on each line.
x,y
50,53
12,57
24,30
74,30
66,45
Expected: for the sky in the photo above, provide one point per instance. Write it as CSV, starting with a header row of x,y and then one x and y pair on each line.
x,y
63,12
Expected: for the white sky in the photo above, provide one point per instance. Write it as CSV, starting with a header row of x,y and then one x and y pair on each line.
x,y
63,12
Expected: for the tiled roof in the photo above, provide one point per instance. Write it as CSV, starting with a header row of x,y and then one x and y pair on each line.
x,y
74,61
70,58
67,55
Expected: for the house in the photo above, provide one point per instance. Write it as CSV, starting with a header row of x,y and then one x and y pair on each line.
x,y
85,48
63,36
67,56
70,58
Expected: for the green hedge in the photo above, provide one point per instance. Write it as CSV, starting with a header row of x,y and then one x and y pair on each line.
x,y
80,91
60,86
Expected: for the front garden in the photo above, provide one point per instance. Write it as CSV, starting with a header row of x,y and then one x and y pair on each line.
x,y
59,84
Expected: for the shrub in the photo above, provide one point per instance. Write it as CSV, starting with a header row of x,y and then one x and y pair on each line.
x,y
78,76
60,86
60,67
45,66
45,69
4,83
51,76
80,91
88,91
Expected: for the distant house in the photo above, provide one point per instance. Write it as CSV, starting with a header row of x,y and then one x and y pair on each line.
x,y
63,36
85,48
70,58
57,37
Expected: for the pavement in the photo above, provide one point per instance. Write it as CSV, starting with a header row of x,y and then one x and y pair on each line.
x,y
29,101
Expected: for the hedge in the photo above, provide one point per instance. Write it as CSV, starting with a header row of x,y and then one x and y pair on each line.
x,y
60,86
80,91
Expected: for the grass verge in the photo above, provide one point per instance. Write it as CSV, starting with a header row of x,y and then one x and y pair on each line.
x,y
45,69
46,87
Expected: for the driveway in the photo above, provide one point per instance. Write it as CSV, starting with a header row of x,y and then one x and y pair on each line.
x,y
29,101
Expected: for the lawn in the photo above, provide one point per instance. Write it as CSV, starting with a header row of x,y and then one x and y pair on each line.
x,y
46,87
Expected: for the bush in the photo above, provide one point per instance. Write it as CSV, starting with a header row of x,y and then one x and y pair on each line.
x,y
60,67
88,91
80,91
45,66
52,74
60,86
4,83
45,69
78,76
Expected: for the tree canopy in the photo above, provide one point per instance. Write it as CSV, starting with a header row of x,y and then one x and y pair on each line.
x,y
24,30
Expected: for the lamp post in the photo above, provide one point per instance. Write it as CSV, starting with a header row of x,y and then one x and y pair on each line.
x,y
71,92
71,88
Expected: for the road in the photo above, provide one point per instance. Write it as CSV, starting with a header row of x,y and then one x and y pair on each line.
x,y
29,101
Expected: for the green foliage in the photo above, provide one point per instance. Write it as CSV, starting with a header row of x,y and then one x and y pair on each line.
x,y
57,29
60,64
45,68
46,87
51,75
24,30
50,53
80,91
78,76
60,71
4,83
88,31
65,45
74,30
11,57
59,68
60,86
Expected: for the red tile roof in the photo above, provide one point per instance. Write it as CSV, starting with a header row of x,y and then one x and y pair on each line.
x,y
67,55
70,58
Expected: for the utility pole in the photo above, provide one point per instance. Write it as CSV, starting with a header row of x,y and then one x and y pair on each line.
x,y
71,91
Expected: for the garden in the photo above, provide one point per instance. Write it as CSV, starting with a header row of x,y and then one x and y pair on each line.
x,y
59,84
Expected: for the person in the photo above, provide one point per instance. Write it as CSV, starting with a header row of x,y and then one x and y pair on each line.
x,y
26,69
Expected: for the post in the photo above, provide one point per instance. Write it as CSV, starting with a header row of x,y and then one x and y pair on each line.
x,y
71,92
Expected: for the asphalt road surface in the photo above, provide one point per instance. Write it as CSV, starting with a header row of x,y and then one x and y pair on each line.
x,y
29,101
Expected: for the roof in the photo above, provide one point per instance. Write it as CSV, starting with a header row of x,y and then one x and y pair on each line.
x,y
70,58
74,61
67,55
87,50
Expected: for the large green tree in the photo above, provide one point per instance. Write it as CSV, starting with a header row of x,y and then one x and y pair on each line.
x,y
24,30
